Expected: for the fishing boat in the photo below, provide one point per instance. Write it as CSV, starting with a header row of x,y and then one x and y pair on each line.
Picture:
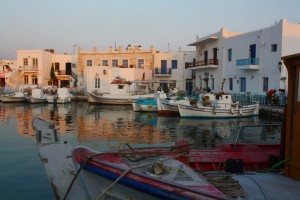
x,y
169,106
120,93
218,105
158,173
160,178
14,97
37,96
62,96
148,104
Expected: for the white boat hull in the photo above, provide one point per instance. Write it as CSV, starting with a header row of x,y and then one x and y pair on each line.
x,y
36,100
115,99
169,107
58,100
13,99
211,112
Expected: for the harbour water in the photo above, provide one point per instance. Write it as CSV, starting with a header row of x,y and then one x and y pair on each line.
x,y
99,127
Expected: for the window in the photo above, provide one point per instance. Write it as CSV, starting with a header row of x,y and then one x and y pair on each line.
x,y
174,64
104,62
56,67
26,80
115,62
265,84
34,62
125,62
230,84
273,47
97,83
229,55
140,63
34,80
120,87
25,61
89,63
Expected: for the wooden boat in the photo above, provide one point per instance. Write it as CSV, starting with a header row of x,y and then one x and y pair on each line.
x,y
161,178
37,96
218,105
113,175
169,106
147,104
62,96
56,157
14,97
119,93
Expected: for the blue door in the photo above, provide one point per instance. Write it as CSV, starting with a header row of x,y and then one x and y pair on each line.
x,y
252,53
163,67
243,84
189,87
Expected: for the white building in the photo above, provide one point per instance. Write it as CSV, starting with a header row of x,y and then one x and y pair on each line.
x,y
169,69
7,69
250,62
35,66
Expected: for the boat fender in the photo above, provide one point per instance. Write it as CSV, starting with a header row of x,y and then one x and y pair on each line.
x,y
231,110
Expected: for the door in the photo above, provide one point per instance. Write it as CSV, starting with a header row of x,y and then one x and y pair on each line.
x,y
243,84
163,67
189,87
68,69
215,55
252,53
205,57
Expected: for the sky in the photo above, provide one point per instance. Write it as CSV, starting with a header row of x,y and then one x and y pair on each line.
x,y
168,25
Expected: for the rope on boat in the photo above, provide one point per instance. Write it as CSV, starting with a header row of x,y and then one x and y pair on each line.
x,y
78,171
225,183
136,156
135,160
128,170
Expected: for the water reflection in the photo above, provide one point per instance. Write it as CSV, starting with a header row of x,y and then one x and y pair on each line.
x,y
112,126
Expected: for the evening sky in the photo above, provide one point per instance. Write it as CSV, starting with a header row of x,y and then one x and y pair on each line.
x,y
169,25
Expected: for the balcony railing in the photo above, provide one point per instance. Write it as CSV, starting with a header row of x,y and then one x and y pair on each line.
x,y
201,63
30,68
247,61
162,71
63,72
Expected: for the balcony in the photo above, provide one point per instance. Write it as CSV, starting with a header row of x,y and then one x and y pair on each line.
x,y
162,71
248,64
63,75
202,64
27,68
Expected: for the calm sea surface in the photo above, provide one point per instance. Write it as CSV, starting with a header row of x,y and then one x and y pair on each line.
x,y
99,127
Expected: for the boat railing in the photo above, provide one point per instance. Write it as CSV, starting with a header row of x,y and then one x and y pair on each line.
x,y
268,129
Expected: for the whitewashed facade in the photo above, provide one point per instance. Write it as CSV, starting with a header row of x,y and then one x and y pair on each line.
x,y
250,62
169,69
34,67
